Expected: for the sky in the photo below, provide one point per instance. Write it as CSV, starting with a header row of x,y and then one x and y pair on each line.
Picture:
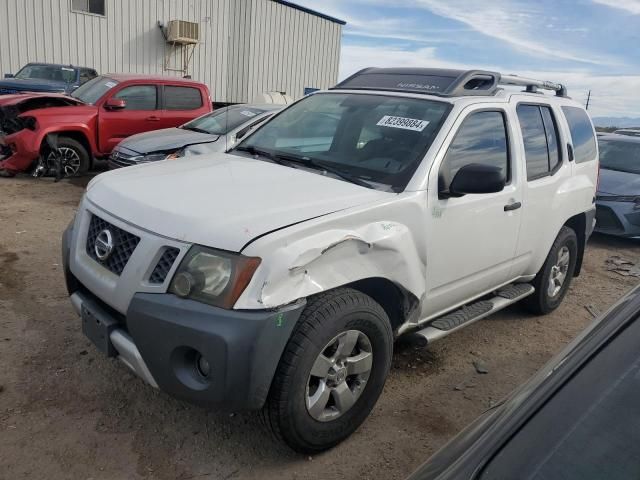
x,y
584,44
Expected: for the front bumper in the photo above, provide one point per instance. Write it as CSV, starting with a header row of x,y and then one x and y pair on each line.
x,y
617,218
161,336
20,150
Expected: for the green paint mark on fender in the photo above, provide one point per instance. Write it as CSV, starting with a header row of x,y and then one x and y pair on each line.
x,y
279,320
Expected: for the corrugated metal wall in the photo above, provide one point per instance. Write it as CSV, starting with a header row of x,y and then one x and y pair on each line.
x,y
246,46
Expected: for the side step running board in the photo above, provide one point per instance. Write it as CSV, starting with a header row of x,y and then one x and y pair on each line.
x,y
449,323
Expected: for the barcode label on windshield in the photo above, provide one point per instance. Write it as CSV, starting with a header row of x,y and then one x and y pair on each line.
x,y
404,123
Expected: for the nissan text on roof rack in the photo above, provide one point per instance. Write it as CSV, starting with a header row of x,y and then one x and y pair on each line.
x,y
277,276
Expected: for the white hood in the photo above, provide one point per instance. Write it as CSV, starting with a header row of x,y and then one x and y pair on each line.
x,y
221,200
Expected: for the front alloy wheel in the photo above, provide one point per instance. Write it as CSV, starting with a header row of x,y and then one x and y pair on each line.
x,y
69,161
332,371
339,375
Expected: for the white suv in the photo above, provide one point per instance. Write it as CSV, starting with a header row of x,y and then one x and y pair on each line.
x,y
277,276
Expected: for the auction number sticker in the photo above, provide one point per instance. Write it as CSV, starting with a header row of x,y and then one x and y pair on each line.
x,y
110,84
404,123
248,113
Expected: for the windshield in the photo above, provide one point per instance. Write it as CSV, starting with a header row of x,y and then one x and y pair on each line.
x,y
376,138
54,73
224,120
94,89
620,156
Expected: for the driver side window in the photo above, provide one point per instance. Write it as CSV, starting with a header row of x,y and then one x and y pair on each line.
x,y
482,138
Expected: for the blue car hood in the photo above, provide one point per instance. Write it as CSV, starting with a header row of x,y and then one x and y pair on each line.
x,y
32,85
613,182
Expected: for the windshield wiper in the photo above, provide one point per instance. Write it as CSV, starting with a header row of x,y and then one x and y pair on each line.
x,y
292,160
261,153
322,166
196,129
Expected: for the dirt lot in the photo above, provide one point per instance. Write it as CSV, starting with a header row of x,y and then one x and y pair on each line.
x,y
67,412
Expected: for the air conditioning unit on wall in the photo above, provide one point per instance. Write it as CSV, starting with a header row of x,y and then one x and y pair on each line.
x,y
182,32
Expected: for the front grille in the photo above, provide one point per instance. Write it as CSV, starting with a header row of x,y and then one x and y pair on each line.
x,y
606,219
124,243
118,159
160,272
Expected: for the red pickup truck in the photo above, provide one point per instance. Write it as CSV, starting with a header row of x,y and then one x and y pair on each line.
x,y
92,120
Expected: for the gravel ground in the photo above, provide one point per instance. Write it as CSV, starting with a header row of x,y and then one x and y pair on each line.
x,y
68,412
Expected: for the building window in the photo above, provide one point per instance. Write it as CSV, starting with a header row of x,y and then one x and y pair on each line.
x,y
95,7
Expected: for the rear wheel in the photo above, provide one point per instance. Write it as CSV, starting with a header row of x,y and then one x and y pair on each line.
x,y
332,371
73,156
553,279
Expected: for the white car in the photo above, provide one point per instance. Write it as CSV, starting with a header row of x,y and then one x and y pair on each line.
x,y
278,276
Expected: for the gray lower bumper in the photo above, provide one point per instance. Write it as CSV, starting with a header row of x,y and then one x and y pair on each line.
x,y
128,353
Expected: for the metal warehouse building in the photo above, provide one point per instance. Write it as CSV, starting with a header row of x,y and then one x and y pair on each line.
x,y
240,48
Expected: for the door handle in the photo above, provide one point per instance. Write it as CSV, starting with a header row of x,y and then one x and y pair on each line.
x,y
153,118
512,206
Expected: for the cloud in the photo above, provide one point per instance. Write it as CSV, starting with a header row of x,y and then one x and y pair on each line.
x,y
611,95
551,40
512,23
631,6
357,57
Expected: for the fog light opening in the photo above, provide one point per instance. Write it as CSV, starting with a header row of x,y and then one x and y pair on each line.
x,y
202,365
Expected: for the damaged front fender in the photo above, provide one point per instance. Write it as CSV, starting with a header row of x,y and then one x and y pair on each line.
x,y
14,107
329,258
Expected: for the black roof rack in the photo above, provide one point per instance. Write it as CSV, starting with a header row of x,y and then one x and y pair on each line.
x,y
441,82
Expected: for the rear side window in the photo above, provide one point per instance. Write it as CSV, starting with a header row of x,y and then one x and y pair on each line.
x,y
584,143
182,98
541,141
482,138
139,97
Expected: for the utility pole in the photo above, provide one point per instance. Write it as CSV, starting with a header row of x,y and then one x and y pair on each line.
x,y
588,98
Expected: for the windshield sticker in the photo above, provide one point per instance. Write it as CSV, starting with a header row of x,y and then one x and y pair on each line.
x,y
110,84
404,123
67,69
248,113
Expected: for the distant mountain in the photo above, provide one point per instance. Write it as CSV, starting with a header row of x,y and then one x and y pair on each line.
x,y
620,122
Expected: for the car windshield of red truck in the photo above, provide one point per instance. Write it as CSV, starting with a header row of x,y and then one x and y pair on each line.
x,y
94,89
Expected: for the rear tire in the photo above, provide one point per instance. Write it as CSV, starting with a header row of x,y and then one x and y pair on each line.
x,y
553,279
332,371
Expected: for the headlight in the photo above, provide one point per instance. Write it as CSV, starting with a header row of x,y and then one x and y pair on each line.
x,y
213,276
153,157
174,155
29,122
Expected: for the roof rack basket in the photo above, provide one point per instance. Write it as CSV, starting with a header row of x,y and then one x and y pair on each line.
x,y
442,82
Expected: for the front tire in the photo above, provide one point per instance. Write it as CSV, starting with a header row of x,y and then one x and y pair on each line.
x,y
553,279
75,158
332,371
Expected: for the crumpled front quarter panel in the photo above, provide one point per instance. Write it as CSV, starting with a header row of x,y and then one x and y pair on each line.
x,y
383,240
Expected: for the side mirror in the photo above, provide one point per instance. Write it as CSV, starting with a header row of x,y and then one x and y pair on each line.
x,y
8,75
477,178
115,104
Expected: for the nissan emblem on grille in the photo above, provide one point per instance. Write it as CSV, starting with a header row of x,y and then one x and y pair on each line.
x,y
104,244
